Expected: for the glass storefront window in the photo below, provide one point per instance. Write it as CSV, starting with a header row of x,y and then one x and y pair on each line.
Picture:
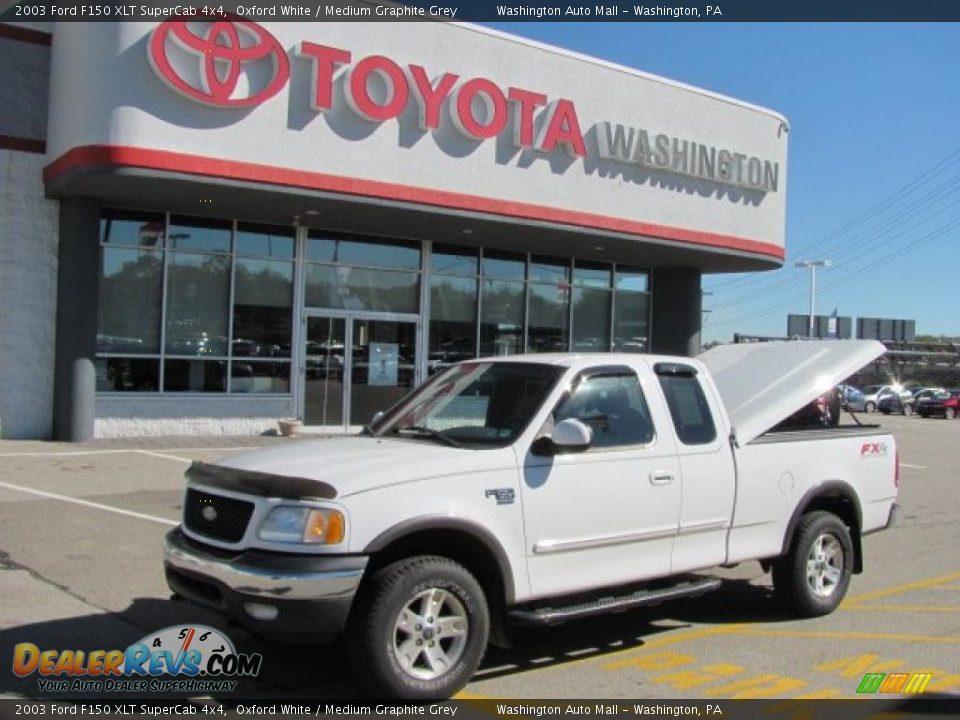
x,y
453,320
350,251
553,271
262,308
265,241
128,309
258,376
503,266
631,315
501,322
120,227
195,376
549,314
352,288
593,275
199,234
450,260
591,320
198,295
117,374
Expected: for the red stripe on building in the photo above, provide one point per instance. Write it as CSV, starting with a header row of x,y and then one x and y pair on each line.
x,y
122,156
30,145
25,35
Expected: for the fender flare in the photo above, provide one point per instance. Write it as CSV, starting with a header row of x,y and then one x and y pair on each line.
x,y
446,522
831,488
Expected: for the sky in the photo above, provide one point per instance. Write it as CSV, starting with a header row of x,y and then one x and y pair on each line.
x,y
873,177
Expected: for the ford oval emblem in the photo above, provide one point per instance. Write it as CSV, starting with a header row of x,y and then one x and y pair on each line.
x,y
209,513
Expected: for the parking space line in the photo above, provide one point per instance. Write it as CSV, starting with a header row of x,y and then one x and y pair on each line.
x,y
898,589
840,635
163,456
89,504
913,467
905,608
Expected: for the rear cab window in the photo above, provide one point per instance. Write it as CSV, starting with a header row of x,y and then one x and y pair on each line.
x,y
689,409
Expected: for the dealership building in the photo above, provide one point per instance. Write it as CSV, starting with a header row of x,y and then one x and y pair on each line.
x,y
209,226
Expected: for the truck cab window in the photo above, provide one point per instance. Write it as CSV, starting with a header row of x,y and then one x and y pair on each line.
x,y
689,410
613,406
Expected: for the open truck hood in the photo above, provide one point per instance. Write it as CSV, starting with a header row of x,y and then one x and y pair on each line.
x,y
764,383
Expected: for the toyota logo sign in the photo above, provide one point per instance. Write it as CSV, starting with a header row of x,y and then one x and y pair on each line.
x,y
227,63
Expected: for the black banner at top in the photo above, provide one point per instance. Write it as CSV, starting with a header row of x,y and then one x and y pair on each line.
x,y
490,10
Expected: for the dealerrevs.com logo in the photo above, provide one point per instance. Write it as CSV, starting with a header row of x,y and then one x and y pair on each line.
x,y
226,63
199,659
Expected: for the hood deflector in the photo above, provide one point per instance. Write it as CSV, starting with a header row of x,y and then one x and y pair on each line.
x,y
262,484
762,384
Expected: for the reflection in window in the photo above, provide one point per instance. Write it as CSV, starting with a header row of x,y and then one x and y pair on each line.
x,y
199,234
195,376
501,323
257,376
264,240
262,308
591,320
355,251
120,227
128,308
549,316
450,260
198,293
116,374
613,407
352,288
503,266
691,414
453,320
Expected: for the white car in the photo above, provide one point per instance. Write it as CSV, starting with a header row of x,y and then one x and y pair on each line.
x,y
533,490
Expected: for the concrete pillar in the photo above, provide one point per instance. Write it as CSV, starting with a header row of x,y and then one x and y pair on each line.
x,y
676,311
75,377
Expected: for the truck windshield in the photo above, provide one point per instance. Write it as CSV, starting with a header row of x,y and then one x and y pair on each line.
x,y
474,405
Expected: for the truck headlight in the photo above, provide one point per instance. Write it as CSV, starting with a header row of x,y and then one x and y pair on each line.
x,y
296,524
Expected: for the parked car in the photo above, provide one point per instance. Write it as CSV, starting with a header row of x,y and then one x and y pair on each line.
x,y
871,396
939,403
367,538
894,403
849,394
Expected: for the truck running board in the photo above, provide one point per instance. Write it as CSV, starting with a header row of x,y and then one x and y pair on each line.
x,y
599,604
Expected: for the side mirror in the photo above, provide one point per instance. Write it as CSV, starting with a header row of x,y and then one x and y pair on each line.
x,y
569,436
377,417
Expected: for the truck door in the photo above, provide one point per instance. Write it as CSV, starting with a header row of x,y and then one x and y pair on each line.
x,y
706,462
609,514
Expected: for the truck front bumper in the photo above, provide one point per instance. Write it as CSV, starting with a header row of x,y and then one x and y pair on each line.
x,y
287,597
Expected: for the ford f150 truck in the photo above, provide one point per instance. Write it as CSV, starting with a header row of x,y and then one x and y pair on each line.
x,y
537,489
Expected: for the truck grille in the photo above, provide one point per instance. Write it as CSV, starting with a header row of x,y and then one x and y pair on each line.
x,y
216,516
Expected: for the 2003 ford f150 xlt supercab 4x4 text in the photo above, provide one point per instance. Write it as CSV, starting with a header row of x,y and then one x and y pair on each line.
x,y
537,489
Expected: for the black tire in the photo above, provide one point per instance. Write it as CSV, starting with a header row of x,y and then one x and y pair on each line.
x,y
374,639
790,573
949,413
870,407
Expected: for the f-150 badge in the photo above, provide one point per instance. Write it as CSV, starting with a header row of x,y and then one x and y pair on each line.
x,y
504,496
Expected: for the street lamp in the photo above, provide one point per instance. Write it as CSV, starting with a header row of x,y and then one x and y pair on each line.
x,y
812,265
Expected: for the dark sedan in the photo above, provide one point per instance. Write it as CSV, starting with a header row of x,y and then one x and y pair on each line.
x,y
940,403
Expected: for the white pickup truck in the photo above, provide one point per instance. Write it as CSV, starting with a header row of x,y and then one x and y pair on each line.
x,y
538,489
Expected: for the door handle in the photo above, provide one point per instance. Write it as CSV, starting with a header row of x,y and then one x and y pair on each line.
x,y
661,477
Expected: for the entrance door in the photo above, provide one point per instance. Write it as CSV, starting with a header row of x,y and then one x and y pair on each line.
x,y
356,365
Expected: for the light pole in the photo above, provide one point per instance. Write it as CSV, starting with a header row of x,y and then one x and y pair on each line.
x,y
812,265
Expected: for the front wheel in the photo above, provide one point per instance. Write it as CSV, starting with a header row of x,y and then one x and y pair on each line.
x,y
949,413
870,407
419,629
812,578
908,410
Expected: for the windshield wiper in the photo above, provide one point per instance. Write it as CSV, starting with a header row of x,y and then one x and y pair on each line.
x,y
436,434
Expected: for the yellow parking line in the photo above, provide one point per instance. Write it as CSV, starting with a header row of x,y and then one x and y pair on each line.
x,y
906,608
898,589
841,635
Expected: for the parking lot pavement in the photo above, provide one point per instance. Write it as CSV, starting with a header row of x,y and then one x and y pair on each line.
x,y
80,567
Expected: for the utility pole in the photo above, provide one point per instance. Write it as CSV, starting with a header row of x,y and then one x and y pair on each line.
x,y
812,265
